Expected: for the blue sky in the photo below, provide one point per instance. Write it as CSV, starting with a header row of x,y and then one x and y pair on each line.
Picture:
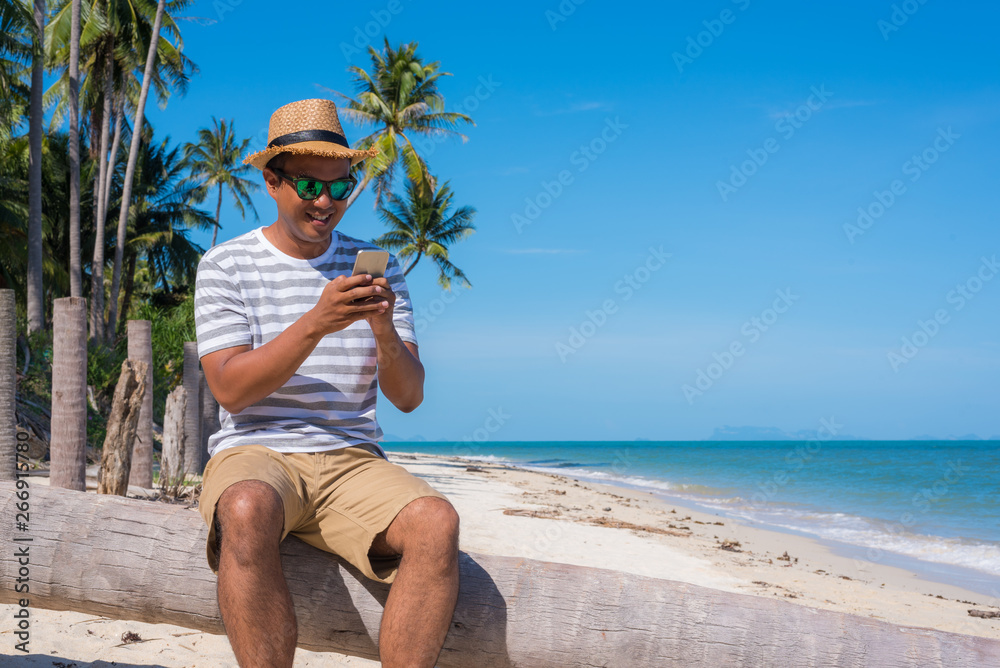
x,y
704,242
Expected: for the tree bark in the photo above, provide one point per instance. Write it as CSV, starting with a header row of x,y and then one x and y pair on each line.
x,y
36,295
116,456
75,275
172,457
97,262
8,386
129,286
140,560
192,415
218,213
140,347
209,417
133,156
68,449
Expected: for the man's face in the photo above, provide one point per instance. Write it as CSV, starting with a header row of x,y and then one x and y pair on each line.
x,y
308,221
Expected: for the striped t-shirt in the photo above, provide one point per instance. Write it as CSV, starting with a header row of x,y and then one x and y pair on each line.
x,y
246,293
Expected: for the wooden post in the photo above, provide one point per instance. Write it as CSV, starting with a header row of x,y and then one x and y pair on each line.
x,y
141,560
8,383
209,417
172,458
68,449
116,459
140,347
192,415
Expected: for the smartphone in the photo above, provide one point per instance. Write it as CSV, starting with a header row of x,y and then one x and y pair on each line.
x,y
371,262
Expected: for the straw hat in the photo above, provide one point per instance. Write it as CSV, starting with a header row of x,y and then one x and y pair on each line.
x,y
307,127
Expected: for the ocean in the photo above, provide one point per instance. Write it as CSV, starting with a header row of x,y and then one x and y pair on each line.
x,y
932,507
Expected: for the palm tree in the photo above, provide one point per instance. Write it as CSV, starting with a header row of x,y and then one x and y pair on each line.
x,y
160,217
15,56
216,161
422,226
130,169
115,34
36,306
75,277
400,96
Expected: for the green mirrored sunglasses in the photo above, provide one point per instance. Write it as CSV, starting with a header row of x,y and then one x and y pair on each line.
x,y
308,188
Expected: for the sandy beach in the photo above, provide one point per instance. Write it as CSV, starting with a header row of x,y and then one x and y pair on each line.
x,y
514,512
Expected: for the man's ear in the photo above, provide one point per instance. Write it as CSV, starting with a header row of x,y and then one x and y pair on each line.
x,y
271,180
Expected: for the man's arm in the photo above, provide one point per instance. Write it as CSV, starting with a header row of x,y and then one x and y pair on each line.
x,y
241,376
400,373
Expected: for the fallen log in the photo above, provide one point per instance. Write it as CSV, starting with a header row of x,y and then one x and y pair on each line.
x,y
145,561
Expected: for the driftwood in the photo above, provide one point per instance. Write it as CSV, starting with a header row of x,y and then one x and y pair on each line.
x,y
145,561
116,459
174,442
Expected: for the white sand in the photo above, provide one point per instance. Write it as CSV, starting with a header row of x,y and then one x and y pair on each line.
x,y
565,529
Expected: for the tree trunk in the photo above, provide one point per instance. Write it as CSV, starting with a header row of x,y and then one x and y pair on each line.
x,y
192,415
36,294
8,385
209,417
414,264
116,457
357,192
112,161
140,560
172,457
133,156
129,286
218,212
140,348
75,276
97,262
68,449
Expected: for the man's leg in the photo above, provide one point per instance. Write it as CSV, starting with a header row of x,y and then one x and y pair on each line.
x,y
424,592
254,601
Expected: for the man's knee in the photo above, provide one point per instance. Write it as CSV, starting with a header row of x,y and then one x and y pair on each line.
x,y
249,512
435,521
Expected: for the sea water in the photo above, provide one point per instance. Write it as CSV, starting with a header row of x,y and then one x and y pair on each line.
x,y
930,506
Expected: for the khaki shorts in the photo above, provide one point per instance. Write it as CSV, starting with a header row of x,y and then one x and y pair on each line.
x,y
338,500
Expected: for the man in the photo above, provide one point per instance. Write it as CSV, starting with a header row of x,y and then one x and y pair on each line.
x,y
295,365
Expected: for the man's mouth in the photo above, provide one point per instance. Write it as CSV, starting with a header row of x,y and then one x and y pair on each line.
x,y
320,220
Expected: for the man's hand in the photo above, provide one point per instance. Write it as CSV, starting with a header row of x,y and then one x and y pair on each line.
x,y
335,311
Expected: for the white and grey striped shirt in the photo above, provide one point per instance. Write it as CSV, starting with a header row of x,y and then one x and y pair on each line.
x,y
246,293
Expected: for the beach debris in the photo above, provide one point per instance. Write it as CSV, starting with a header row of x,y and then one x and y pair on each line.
x,y
606,509
762,583
621,524
984,614
475,469
130,637
730,545
548,513
788,558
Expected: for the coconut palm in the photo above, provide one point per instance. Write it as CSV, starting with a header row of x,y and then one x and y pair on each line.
x,y
75,277
130,169
216,162
36,306
116,34
421,225
401,98
160,217
15,58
